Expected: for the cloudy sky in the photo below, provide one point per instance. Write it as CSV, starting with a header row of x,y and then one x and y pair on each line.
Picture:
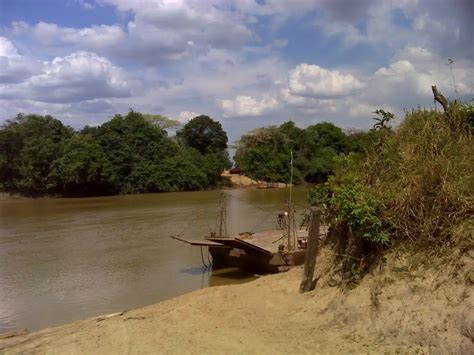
x,y
246,63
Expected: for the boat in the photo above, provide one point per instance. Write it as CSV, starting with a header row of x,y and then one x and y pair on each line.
x,y
268,251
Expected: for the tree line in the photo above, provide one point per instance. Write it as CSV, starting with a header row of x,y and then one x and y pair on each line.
x,y
133,153
265,153
127,154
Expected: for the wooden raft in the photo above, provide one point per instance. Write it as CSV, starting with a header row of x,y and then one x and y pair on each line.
x,y
256,252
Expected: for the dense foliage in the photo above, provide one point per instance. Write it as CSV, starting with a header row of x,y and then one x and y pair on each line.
x,y
128,154
416,182
204,134
265,153
28,147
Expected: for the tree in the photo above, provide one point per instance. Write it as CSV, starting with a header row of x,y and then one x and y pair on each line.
x,y
83,169
264,154
204,134
361,142
28,146
329,135
293,134
128,154
161,121
134,147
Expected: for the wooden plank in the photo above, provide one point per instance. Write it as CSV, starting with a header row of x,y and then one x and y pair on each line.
x,y
198,242
241,244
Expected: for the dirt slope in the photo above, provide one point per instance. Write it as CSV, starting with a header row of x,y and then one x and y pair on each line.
x,y
396,308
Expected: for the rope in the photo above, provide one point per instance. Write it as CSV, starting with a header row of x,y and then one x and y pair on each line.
x,y
208,259
259,223
202,259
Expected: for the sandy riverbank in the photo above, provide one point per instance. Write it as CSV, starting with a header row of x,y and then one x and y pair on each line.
x,y
240,180
397,308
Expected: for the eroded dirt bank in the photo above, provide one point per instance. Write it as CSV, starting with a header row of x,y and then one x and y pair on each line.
x,y
398,307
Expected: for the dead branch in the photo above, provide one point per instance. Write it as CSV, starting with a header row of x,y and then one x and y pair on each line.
x,y
440,98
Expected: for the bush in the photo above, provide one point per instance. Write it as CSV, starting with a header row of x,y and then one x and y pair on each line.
x,y
347,200
416,182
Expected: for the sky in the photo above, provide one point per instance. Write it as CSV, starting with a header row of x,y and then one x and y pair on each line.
x,y
246,63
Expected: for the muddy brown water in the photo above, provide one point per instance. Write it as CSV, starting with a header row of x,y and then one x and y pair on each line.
x,y
68,259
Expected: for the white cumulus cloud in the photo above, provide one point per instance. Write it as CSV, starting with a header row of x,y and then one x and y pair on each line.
x,y
7,49
76,77
309,80
248,106
14,67
185,116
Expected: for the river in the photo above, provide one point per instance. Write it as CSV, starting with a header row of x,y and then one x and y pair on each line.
x,y
68,259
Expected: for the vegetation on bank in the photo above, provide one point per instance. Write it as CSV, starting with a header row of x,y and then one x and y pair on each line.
x,y
265,153
128,154
415,184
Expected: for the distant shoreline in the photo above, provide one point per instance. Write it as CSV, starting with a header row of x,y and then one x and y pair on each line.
x,y
241,180
236,181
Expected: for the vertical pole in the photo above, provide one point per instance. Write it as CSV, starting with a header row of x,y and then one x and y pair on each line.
x,y
291,173
307,283
222,216
288,212
289,204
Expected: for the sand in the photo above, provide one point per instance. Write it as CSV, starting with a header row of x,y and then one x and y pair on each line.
x,y
240,180
396,308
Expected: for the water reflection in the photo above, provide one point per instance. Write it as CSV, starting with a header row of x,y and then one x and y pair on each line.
x,y
219,277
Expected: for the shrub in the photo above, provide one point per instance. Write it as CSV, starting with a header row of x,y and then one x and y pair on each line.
x,y
415,183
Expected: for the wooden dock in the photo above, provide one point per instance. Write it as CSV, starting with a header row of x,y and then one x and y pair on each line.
x,y
258,252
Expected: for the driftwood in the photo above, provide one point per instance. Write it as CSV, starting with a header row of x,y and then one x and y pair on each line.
x,y
308,284
440,98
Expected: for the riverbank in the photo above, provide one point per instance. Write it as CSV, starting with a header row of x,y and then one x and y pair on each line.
x,y
233,181
242,181
399,307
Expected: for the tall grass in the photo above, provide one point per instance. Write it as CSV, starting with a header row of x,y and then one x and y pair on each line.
x,y
420,176
429,184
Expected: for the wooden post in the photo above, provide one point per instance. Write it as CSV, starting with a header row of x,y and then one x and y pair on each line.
x,y
289,226
222,216
307,284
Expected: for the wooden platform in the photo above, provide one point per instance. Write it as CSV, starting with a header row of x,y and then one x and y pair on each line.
x,y
257,252
266,242
197,242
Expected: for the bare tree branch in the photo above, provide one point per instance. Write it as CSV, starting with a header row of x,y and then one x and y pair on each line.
x,y
440,98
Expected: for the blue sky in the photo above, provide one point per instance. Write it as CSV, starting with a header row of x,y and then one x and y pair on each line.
x,y
245,63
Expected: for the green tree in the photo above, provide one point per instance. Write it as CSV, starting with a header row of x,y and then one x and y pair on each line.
x,y
204,134
329,135
83,168
28,146
295,136
161,121
362,142
128,154
264,154
180,172
134,147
